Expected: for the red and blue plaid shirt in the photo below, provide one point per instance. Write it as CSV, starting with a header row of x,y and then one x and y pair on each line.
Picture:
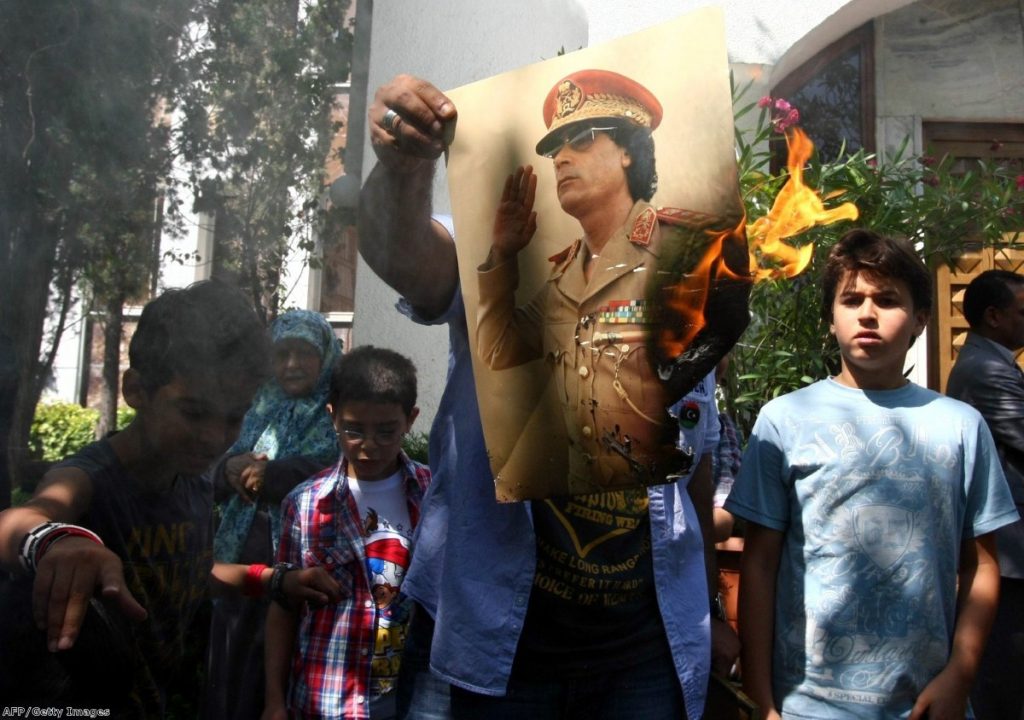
x,y
330,669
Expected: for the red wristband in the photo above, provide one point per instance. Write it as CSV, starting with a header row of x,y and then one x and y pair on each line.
x,y
253,586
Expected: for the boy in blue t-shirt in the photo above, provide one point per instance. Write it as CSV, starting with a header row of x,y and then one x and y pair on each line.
x,y
869,501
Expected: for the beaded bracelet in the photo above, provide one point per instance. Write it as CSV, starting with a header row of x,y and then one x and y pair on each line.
x,y
253,584
277,583
42,537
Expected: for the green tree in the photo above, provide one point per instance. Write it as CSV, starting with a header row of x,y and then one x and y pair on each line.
x,y
257,130
80,82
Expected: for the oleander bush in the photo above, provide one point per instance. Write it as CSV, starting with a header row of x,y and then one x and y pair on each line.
x,y
934,203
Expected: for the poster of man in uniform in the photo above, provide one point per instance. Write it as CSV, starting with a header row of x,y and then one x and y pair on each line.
x,y
603,266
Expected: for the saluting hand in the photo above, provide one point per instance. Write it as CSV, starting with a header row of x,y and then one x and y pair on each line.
x,y
516,221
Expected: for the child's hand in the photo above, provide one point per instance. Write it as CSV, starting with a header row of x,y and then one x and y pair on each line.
x,y
944,698
313,585
66,577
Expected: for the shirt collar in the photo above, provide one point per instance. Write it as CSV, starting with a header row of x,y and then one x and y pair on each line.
x,y
1003,351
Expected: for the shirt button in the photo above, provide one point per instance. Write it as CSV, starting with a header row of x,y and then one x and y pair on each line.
x,y
587,432
625,348
368,604
360,699
584,371
364,652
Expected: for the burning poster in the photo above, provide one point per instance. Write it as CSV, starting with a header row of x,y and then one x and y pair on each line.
x,y
601,253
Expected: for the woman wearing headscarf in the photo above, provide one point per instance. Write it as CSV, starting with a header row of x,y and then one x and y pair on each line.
x,y
286,437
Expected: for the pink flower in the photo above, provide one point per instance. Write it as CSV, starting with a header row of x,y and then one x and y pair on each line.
x,y
995,146
1020,182
765,101
927,160
784,122
932,180
782,105
872,162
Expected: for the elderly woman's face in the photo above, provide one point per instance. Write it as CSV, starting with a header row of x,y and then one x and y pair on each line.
x,y
296,366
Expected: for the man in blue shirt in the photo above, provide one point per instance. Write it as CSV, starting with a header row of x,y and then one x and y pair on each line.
x,y
483,571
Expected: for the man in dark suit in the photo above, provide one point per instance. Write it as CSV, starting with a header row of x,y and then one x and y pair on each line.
x,y
986,375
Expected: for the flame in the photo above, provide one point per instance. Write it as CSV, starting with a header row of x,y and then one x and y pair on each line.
x,y
688,298
797,208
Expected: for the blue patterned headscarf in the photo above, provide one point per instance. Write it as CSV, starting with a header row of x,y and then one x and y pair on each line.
x,y
282,427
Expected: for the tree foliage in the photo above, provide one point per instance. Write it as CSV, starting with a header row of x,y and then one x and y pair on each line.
x,y
928,201
101,100
79,151
256,129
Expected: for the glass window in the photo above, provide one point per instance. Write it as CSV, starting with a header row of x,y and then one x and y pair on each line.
x,y
834,92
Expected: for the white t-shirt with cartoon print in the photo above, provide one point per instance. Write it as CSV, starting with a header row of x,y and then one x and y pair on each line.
x,y
387,526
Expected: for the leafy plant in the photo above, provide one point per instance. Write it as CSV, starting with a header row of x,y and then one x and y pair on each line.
x,y
415,445
60,429
941,206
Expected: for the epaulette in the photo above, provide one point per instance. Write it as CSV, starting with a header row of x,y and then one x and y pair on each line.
x,y
690,219
643,227
570,252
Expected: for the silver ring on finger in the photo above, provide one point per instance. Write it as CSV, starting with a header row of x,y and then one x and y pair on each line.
x,y
390,122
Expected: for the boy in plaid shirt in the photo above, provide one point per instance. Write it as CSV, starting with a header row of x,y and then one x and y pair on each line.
x,y
356,520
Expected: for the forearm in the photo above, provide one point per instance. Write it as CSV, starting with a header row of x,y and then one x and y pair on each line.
x,y
398,238
977,598
231,578
758,570
63,496
14,525
281,625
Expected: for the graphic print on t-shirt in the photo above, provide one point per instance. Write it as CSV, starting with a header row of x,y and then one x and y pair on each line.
x,y
589,549
387,560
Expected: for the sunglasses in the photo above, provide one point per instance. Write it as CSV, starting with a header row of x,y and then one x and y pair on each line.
x,y
581,141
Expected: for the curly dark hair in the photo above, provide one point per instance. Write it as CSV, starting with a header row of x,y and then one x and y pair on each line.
x,y
641,174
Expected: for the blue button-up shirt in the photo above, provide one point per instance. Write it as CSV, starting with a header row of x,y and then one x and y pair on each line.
x,y
475,557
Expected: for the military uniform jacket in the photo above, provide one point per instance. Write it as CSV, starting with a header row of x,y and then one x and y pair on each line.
x,y
594,335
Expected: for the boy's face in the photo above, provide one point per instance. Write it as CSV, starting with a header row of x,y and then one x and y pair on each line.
x,y
188,423
371,435
873,319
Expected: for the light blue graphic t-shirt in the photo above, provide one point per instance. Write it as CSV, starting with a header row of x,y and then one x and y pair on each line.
x,y
874,490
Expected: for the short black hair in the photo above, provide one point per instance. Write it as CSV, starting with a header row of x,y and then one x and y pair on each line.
x,y
879,257
208,329
990,289
376,375
642,175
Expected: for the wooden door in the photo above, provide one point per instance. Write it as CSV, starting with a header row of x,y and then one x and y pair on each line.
x,y
948,327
